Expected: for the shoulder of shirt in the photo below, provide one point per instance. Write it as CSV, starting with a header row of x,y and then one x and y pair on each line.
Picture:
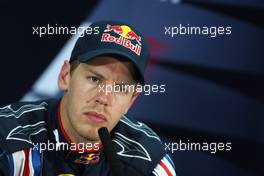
x,y
22,123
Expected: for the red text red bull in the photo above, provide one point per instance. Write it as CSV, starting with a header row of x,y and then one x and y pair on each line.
x,y
121,41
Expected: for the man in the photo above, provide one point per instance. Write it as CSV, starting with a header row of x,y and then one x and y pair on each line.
x,y
52,137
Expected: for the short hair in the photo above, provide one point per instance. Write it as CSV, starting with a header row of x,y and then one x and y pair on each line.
x,y
74,64
131,67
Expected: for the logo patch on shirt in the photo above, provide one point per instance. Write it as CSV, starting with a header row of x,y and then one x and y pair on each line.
x,y
90,158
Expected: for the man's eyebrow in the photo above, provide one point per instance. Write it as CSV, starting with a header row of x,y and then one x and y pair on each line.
x,y
103,78
96,73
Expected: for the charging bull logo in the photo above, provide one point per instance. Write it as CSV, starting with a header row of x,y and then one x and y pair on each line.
x,y
127,35
90,158
124,31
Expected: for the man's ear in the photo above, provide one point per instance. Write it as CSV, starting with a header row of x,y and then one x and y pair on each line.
x,y
64,76
132,100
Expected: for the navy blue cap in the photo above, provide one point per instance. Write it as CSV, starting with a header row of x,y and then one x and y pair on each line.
x,y
113,38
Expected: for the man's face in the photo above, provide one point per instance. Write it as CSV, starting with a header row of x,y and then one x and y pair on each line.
x,y
85,105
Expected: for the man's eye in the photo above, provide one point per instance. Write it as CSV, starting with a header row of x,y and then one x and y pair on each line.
x,y
93,79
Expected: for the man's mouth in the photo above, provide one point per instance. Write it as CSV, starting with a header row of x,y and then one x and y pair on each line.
x,y
95,117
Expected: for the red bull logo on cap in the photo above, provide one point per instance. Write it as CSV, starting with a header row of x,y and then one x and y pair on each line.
x,y
126,36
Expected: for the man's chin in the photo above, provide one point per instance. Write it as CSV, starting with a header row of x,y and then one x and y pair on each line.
x,y
92,137
91,134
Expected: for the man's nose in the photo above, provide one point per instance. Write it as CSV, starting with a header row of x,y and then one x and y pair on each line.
x,y
105,96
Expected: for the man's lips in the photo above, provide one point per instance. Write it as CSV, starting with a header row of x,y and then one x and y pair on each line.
x,y
95,117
